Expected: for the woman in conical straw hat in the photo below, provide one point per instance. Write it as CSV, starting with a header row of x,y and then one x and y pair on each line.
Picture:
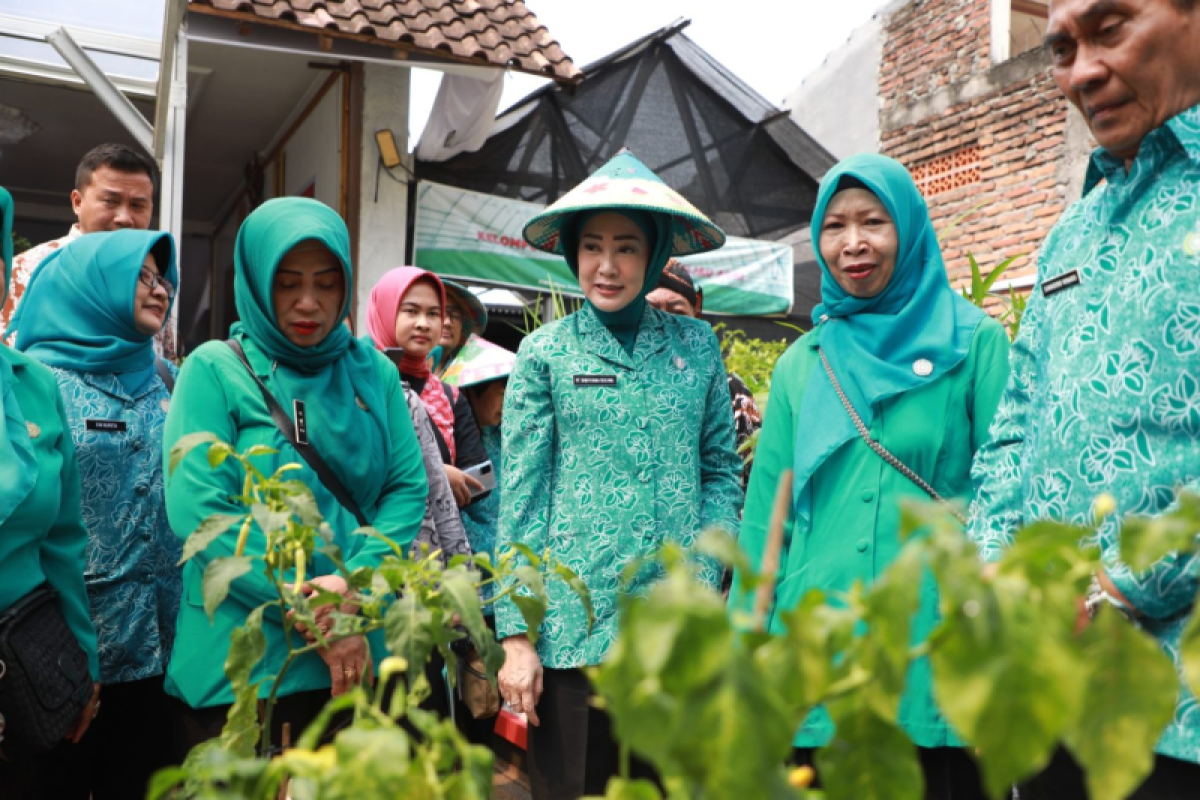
x,y
617,439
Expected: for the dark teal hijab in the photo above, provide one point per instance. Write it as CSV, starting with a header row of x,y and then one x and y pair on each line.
x,y
873,343
337,379
657,228
18,465
78,309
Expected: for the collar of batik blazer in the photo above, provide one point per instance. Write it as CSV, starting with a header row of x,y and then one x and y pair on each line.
x,y
599,341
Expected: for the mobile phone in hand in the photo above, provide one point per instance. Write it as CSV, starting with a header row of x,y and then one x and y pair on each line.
x,y
485,475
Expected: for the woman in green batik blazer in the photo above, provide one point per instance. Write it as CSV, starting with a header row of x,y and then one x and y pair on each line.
x,y
617,438
292,284
42,538
924,369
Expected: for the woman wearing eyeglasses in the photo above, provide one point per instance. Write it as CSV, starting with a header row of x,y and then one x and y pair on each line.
x,y
90,313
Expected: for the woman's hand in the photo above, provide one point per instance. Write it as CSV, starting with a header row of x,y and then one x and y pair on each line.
x,y
349,661
329,583
520,678
85,717
462,484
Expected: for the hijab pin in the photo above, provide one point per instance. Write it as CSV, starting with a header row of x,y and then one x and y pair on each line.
x,y
679,362
923,367
34,430
360,403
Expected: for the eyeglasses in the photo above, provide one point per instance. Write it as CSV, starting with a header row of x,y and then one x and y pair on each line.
x,y
454,316
152,280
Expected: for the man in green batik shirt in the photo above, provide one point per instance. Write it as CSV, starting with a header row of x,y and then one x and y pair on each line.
x,y
1105,391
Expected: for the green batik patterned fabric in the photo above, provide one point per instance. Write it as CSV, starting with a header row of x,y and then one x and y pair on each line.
x,y
1105,387
606,457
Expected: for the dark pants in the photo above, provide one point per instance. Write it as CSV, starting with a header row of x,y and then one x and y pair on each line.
x,y
1062,779
125,744
950,772
197,725
572,752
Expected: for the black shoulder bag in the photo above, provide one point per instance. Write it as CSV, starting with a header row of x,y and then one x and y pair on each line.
x,y
309,453
44,678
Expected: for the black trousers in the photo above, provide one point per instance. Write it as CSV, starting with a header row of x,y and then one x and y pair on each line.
x,y
572,752
196,725
950,772
125,744
1063,779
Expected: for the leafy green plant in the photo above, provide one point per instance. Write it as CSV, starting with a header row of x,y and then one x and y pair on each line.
x,y
713,700
560,303
979,292
20,243
980,286
751,359
393,748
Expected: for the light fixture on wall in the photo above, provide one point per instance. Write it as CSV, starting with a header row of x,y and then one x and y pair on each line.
x,y
389,153
389,158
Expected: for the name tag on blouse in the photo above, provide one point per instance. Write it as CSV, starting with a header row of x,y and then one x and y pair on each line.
x,y
106,425
1064,281
595,380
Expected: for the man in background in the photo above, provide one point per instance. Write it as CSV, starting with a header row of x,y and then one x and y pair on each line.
x,y
114,189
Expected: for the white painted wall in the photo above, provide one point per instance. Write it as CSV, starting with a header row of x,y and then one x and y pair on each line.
x,y
382,219
314,152
838,103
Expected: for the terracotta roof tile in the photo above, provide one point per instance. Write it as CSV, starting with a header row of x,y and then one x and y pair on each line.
x,y
499,32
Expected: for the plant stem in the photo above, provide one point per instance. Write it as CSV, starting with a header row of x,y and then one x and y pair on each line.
x,y
770,562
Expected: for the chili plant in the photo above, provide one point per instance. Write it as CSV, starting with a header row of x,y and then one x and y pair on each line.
x,y
713,700
392,747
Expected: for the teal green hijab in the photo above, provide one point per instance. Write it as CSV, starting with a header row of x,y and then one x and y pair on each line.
x,y
18,465
657,228
78,310
337,379
873,343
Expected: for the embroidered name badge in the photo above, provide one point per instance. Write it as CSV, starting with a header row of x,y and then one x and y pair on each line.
x,y
301,421
1064,281
106,425
595,380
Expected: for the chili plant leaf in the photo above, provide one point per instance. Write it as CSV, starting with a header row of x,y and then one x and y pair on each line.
x,y
218,575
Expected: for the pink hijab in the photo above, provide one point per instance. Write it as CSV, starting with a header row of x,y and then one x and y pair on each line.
x,y
382,309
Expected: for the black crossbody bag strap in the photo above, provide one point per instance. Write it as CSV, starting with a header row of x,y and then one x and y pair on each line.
x,y
309,453
167,378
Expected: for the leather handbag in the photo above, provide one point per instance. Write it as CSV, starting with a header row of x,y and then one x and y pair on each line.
x,y
477,691
44,679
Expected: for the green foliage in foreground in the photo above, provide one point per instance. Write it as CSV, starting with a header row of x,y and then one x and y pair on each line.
x,y
392,748
713,702
710,699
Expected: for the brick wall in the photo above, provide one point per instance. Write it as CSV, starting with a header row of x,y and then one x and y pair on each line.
x,y
940,96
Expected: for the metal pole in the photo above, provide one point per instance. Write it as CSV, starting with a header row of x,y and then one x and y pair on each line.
x,y
174,124
170,215
99,83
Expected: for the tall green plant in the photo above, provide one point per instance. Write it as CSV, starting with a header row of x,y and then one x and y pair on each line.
x,y
392,748
980,289
560,303
713,701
